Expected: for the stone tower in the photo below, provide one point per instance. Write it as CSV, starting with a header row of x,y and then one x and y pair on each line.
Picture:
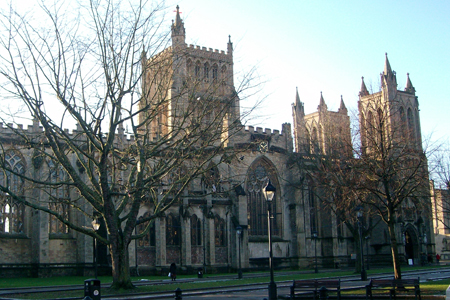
x,y
393,113
323,132
189,75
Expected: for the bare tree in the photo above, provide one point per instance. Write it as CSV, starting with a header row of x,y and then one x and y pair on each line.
x,y
386,172
91,64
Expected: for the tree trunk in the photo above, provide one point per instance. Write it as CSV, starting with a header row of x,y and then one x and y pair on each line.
x,y
394,250
120,266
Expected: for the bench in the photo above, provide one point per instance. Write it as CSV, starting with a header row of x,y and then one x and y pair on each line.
x,y
301,288
394,286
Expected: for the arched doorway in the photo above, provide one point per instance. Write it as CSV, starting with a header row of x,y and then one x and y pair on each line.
x,y
411,245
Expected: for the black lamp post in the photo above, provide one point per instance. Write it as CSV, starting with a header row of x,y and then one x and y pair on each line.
x,y
367,251
239,233
269,193
314,236
95,226
359,215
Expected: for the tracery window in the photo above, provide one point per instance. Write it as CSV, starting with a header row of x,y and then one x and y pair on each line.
x,y
197,69
312,206
223,75
12,211
411,126
206,70
219,231
257,178
214,73
149,239
402,122
315,141
196,231
173,229
58,198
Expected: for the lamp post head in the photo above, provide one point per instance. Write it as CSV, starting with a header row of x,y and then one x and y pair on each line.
x,y
269,191
359,211
95,224
239,230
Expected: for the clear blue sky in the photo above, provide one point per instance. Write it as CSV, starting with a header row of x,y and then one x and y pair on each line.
x,y
319,45
327,46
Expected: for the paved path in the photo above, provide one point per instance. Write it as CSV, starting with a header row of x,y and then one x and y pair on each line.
x,y
260,295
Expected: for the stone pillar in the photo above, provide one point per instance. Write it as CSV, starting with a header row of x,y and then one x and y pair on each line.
x,y
160,236
243,221
212,239
186,254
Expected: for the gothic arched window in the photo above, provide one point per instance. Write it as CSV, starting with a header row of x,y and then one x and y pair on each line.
x,y
12,211
411,127
196,231
206,70
58,198
312,206
197,69
149,239
402,122
315,141
258,176
173,229
223,75
219,231
214,73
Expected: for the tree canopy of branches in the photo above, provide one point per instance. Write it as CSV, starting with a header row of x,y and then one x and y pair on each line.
x,y
88,62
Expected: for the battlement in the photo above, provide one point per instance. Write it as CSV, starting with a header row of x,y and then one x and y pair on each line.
x,y
206,49
201,51
268,131
11,129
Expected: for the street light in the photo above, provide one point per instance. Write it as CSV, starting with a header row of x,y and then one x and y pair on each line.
x,y
269,193
359,215
314,236
239,233
95,226
367,251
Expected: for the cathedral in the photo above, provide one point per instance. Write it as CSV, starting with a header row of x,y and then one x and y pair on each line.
x,y
222,231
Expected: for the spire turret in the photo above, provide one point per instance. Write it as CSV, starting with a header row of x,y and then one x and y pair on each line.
x,y
388,77
342,107
387,66
322,106
229,46
409,87
363,91
178,31
298,106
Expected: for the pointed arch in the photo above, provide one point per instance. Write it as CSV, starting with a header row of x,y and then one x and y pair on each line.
x,y
149,240
215,69
206,70
411,127
173,230
197,69
196,231
258,175
12,211
219,231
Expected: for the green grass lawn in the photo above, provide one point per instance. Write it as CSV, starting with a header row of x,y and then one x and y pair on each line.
x,y
428,288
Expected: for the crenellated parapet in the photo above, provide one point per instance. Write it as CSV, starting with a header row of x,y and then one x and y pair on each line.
x,y
276,141
15,131
209,53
